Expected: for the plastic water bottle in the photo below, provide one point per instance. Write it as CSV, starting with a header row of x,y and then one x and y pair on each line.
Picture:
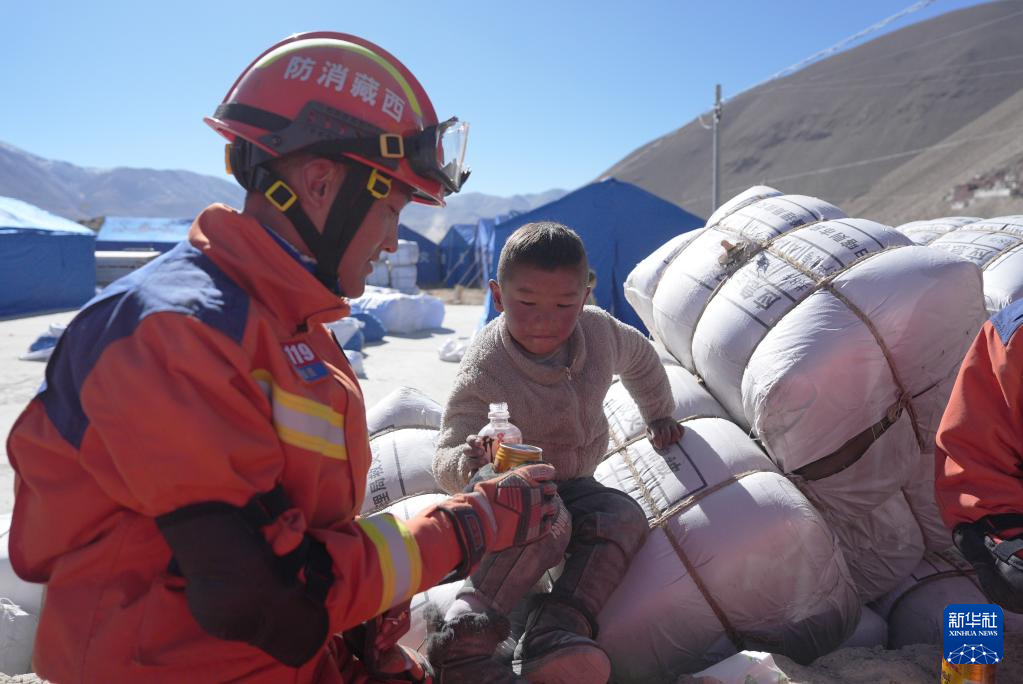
x,y
499,430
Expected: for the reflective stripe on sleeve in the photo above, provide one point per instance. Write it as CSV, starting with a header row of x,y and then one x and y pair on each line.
x,y
401,566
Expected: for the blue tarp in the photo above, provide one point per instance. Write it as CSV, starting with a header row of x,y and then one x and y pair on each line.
x,y
458,254
126,232
46,262
428,269
620,224
466,251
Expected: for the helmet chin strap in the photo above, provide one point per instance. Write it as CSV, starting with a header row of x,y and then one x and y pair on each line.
x,y
347,213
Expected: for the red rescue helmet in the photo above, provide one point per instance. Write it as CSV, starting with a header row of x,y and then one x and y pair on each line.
x,y
337,95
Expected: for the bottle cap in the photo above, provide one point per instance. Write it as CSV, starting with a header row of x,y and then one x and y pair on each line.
x,y
498,410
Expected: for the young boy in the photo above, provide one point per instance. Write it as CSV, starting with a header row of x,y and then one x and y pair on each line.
x,y
551,359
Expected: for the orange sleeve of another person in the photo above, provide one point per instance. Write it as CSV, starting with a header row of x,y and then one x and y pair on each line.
x,y
979,445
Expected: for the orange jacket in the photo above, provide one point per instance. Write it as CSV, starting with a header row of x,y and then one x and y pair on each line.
x,y
207,375
979,455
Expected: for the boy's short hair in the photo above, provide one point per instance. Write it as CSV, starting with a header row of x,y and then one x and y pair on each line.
x,y
546,245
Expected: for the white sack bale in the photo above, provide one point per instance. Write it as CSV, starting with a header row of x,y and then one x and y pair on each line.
x,y
996,247
401,467
728,531
642,282
21,603
399,313
344,328
919,492
27,595
691,278
871,631
404,407
625,422
743,199
355,359
17,638
403,278
380,276
886,465
926,232
913,609
407,254
882,337
880,548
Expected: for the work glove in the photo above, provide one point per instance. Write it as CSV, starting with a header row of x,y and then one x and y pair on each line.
x,y
515,508
520,503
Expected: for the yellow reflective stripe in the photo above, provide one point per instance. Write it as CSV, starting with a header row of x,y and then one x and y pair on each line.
x,y
311,443
302,422
401,565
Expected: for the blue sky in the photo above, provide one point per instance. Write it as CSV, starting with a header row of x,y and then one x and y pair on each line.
x,y
556,91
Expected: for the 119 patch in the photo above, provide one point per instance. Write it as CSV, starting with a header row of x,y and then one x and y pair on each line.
x,y
304,361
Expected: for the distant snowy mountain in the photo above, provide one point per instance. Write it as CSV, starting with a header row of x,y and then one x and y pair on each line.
x,y
77,192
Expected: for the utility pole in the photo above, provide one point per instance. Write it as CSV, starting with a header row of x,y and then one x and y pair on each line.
x,y
716,163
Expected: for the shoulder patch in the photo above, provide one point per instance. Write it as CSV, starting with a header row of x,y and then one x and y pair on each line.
x,y
1007,321
183,280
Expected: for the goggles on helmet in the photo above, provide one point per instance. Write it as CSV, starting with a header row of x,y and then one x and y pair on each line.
x,y
436,152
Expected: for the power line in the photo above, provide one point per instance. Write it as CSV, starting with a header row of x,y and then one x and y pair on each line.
x,y
840,85
858,36
842,44
936,39
915,72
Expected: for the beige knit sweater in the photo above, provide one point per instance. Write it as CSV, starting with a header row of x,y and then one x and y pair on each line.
x,y
559,409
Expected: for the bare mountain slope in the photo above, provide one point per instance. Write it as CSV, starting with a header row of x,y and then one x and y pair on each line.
x,y
838,128
922,187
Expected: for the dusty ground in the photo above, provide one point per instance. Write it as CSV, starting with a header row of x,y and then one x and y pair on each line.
x,y
917,664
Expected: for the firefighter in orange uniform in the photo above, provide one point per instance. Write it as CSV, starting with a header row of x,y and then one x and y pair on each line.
x,y
189,475
979,477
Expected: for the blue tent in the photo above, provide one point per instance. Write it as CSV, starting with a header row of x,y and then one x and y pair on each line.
x,y
459,255
126,232
620,224
46,262
428,269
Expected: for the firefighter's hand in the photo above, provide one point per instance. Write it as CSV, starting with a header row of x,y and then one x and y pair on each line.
x,y
664,432
391,626
518,507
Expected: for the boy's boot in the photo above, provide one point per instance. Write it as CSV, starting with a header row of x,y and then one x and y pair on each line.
x,y
462,650
558,645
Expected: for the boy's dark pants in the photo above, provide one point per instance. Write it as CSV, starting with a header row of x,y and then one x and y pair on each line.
x,y
599,528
